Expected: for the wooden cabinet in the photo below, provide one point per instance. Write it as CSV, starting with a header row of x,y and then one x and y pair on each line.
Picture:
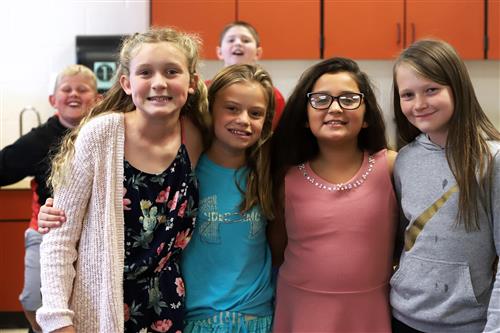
x,y
363,29
494,29
15,212
381,29
460,23
207,18
288,30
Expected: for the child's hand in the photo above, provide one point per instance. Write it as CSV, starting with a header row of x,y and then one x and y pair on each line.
x,y
49,217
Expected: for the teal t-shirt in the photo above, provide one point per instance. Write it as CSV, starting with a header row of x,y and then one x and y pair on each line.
x,y
227,264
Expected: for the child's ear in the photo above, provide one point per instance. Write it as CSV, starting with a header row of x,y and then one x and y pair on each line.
x,y
125,83
52,100
218,50
193,85
258,54
365,124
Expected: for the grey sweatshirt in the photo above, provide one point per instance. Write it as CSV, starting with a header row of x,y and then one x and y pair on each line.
x,y
445,281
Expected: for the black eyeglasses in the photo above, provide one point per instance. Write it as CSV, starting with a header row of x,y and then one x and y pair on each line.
x,y
347,101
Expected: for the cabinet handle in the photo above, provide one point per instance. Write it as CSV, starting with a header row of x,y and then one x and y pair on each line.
x,y
413,33
398,33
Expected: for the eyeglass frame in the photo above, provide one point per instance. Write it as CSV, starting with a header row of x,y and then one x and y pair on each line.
x,y
335,98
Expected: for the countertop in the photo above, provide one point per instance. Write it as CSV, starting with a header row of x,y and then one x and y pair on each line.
x,y
20,185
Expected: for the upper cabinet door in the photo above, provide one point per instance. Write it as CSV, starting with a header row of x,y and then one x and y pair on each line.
x,y
494,29
363,29
460,23
207,18
288,29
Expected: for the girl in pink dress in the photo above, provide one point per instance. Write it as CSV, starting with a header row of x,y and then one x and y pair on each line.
x,y
337,211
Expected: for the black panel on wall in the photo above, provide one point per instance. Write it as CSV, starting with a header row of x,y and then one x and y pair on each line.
x,y
99,53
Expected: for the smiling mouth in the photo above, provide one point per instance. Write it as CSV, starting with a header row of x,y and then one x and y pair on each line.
x,y
424,115
238,52
239,132
159,98
335,122
75,104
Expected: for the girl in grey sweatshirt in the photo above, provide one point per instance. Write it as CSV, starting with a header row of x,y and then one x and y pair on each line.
x,y
448,182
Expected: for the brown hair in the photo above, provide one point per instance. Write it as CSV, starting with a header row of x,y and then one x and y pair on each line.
x,y
244,24
468,154
258,187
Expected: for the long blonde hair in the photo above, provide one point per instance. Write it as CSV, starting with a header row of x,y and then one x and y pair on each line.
x,y
116,100
468,154
258,189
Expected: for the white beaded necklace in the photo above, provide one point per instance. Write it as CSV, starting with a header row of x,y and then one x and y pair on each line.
x,y
341,186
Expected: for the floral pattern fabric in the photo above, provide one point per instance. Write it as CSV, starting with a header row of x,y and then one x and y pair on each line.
x,y
160,213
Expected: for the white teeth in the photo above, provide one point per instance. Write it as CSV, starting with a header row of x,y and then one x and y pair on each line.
x,y
73,104
237,132
159,98
335,122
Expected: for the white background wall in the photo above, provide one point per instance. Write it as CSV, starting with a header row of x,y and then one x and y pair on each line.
x,y
38,40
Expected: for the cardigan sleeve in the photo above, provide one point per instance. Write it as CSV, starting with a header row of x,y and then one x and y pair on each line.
x,y
493,319
58,251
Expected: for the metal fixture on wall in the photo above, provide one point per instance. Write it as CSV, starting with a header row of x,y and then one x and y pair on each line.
x,y
25,109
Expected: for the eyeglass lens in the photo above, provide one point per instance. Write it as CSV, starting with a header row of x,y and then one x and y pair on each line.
x,y
347,101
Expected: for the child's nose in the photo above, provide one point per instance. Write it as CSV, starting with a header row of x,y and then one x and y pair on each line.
x,y
420,102
335,106
159,82
244,117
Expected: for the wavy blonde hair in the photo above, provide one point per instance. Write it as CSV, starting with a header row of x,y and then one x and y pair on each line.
x,y
116,100
258,189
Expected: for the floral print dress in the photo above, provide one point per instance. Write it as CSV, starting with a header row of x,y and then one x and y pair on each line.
x,y
160,213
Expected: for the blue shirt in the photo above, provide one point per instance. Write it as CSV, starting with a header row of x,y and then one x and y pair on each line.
x,y
227,264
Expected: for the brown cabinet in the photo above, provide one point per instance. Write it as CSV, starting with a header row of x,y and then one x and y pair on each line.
x,y
381,29
288,29
207,18
15,212
494,29
361,29
461,23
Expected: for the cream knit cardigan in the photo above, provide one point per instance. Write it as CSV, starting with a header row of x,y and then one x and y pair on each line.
x,y
82,262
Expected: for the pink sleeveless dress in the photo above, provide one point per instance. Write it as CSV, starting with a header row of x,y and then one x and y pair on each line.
x,y
338,260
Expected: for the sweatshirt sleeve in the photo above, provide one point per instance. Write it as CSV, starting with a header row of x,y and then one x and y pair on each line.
x,y
58,251
21,159
493,321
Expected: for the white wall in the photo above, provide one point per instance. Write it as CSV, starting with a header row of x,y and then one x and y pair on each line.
x,y
38,40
